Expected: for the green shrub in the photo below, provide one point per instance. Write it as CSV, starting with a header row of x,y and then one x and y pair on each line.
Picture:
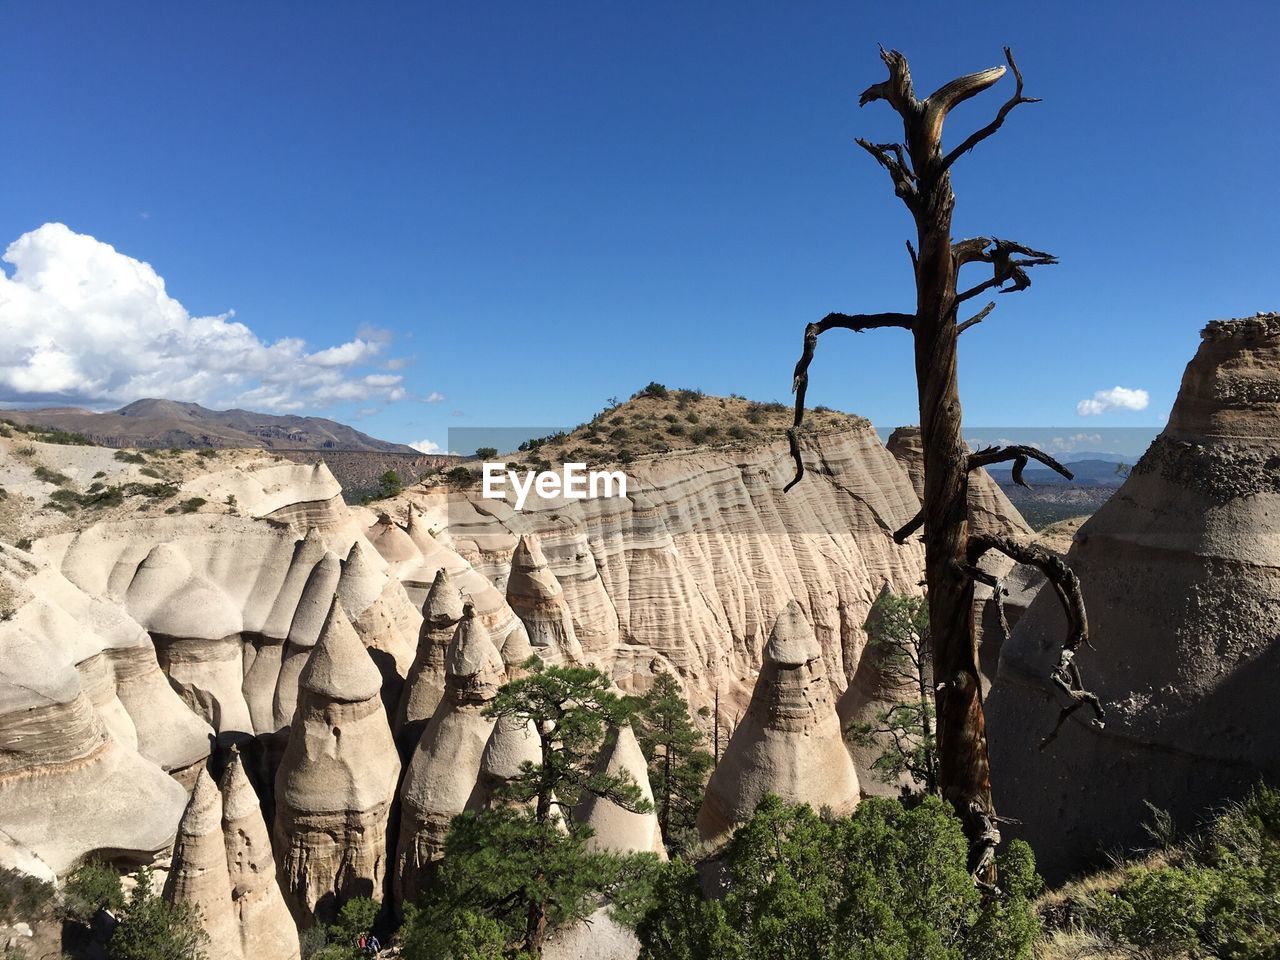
x,y
460,475
675,430
129,456
94,886
151,472
26,450
22,896
65,437
653,389
692,417
190,505
486,453
1219,895
152,929
626,456
888,883
738,432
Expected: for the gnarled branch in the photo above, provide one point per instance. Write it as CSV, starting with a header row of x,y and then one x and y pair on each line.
x,y
1019,455
976,319
800,378
950,95
1008,260
892,157
1066,675
978,136
897,90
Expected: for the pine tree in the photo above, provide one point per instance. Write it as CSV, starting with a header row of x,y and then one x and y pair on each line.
x,y
898,633
678,763
522,867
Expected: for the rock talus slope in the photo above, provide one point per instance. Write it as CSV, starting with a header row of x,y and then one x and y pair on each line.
x,y
1180,572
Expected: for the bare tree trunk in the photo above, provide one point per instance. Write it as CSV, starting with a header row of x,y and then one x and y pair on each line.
x,y
920,173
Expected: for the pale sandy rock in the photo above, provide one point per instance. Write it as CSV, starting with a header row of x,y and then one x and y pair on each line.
x,y
1180,572
304,631
442,779
72,779
600,937
198,877
538,599
615,828
511,744
789,742
337,778
381,612
704,548
266,929
424,685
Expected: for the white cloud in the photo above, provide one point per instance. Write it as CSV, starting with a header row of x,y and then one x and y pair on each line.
x,y
1117,398
434,396
84,323
426,446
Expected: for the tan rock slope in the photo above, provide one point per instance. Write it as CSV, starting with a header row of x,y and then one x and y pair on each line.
x,y
687,571
616,828
1180,571
789,743
337,779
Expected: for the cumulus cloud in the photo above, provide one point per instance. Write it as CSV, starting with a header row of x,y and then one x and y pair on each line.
x,y
435,396
426,446
84,323
1117,398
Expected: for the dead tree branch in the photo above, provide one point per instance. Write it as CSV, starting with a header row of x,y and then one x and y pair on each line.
x,y
1009,262
976,319
892,157
978,136
1019,455
800,378
1066,675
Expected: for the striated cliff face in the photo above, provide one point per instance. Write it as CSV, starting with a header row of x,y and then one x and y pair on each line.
x,y
1180,572
690,571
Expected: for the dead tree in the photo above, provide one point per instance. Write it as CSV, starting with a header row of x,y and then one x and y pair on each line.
x,y
920,171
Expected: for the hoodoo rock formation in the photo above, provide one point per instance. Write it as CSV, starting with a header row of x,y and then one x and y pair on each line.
x,y
614,827
267,931
424,687
337,778
198,877
442,779
789,743
1180,572
538,600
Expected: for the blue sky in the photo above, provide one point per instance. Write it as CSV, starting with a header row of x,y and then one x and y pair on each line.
x,y
528,208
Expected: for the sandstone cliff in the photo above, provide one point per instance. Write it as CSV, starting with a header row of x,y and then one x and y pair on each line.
x,y
1180,572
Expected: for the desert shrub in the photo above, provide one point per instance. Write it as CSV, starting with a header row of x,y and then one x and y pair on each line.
x,y
190,505
653,389
23,544
129,456
821,409
620,434
692,417
486,453
626,456
686,398
22,896
26,450
93,887
887,882
738,432
151,472
152,929
206,453
459,475
676,430
390,484
51,476
1217,896
66,438
699,435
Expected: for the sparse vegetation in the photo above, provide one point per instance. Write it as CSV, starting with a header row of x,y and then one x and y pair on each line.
x,y
22,896
459,475
654,389
46,475
129,456
190,505
486,453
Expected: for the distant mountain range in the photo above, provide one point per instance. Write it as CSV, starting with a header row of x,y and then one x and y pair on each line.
x,y
172,423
